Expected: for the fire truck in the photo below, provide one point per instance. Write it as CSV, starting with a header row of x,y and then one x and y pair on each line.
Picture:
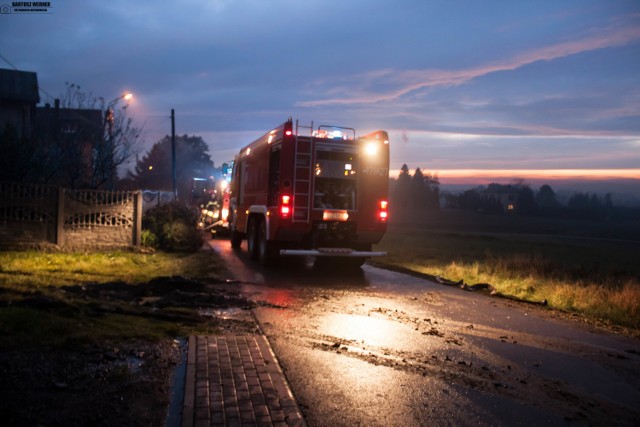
x,y
214,215
305,191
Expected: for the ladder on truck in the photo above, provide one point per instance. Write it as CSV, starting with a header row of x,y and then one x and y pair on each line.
x,y
302,175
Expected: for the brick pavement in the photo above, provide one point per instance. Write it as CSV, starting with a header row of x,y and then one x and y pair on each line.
x,y
236,381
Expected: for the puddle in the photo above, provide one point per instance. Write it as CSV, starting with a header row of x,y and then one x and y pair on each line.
x,y
234,313
176,396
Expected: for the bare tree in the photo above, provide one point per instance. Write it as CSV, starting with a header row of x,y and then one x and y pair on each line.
x,y
120,142
93,138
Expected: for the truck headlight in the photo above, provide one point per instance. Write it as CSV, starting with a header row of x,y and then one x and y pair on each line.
x,y
371,149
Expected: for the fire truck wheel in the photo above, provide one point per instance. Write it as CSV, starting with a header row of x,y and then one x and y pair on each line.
x,y
267,253
236,239
252,239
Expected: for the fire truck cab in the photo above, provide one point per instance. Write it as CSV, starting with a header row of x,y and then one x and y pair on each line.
x,y
323,194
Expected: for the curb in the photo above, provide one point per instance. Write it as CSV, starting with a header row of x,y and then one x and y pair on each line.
x,y
236,380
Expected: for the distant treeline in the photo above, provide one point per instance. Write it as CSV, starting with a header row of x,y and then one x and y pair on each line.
x,y
422,190
417,191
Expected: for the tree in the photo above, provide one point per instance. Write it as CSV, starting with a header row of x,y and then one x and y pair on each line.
x,y
432,183
418,190
119,143
584,206
526,201
84,140
154,170
471,200
546,201
403,187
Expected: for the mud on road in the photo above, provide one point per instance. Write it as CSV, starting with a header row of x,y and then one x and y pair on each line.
x,y
376,347
490,374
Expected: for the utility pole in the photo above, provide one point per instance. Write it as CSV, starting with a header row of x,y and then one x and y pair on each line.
x,y
173,152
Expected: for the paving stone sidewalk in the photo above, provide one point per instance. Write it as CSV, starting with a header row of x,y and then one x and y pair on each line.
x,y
236,381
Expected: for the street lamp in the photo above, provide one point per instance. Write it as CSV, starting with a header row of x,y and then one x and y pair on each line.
x,y
108,114
108,127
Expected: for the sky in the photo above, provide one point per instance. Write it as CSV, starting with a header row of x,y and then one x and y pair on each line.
x,y
475,91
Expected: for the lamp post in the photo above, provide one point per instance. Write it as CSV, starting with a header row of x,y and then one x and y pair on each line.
x,y
173,153
105,156
108,114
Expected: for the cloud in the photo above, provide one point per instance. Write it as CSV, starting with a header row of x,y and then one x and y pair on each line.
x,y
405,82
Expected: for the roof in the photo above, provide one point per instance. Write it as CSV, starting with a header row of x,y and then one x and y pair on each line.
x,y
19,86
88,119
85,115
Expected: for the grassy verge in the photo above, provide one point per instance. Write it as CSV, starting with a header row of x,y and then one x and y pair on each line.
x,y
37,308
594,276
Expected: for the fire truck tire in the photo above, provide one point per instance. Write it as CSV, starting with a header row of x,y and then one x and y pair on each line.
x,y
267,253
252,239
236,239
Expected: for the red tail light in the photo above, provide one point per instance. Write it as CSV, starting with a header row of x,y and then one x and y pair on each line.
x,y
382,213
285,206
288,128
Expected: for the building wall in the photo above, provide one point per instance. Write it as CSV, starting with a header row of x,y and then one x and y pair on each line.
x,y
18,99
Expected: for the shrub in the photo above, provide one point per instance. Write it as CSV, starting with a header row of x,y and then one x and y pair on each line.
x,y
171,227
149,239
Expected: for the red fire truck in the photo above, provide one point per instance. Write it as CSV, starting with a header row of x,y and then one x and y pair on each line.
x,y
322,194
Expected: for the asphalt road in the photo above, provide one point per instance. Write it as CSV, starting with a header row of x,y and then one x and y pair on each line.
x,y
375,347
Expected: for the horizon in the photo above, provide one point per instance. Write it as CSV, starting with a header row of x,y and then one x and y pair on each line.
x,y
624,185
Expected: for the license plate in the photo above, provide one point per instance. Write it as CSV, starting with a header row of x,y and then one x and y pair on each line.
x,y
335,215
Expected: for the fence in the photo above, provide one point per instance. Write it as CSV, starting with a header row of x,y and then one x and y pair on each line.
x,y
32,213
153,198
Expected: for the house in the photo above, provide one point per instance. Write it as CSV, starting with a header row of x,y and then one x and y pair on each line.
x,y
18,99
505,195
75,132
63,146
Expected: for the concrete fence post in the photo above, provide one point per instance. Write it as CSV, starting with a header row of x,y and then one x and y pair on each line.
x,y
137,218
60,218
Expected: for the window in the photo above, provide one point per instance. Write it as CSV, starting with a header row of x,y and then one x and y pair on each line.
x,y
335,180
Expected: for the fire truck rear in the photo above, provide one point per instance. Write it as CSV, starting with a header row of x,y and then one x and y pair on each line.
x,y
322,194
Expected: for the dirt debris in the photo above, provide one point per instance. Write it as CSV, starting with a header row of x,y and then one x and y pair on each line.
x,y
114,381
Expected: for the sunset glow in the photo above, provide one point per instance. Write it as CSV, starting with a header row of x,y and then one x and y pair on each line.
x,y
474,177
481,176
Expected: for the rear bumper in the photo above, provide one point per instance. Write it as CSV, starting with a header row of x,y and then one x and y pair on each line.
x,y
331,252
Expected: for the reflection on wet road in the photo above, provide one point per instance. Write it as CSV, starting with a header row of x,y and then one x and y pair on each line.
x,y
374,347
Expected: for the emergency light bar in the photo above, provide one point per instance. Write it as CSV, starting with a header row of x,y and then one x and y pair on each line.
x,y
335,133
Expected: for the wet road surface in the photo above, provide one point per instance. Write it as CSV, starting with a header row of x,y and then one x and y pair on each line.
x,y
375,347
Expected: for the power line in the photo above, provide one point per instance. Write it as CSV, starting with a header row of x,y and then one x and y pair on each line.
x,y
8,62
16,69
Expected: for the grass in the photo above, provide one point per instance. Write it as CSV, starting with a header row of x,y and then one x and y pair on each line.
x,y
35,310
576,267
37,269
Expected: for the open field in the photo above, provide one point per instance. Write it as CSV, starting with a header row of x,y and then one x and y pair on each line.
x,y
582,267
